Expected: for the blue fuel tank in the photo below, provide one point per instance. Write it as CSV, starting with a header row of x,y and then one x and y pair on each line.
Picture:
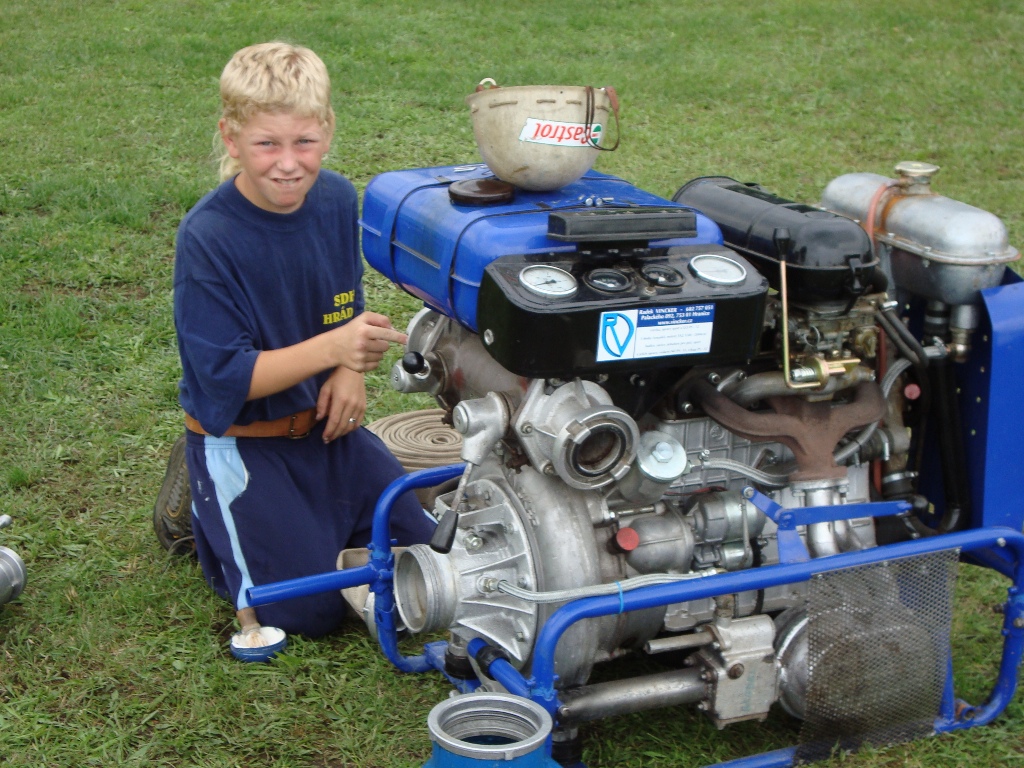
x,y
437,249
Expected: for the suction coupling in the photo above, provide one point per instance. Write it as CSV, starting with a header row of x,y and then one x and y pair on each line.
x,y
12,570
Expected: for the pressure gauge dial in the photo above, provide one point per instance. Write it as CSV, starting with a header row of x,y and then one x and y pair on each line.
x,y
661,275
547,281
718,270
608,280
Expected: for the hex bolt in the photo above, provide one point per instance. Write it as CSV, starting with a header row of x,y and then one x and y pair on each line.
x,y
662,452
472,541
736,671
527,428
714,379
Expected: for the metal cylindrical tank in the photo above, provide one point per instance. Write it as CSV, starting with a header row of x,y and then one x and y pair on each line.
x,y
941,249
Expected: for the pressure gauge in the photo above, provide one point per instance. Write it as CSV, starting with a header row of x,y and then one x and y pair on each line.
x,y
547,281
717,270
608,280
661,275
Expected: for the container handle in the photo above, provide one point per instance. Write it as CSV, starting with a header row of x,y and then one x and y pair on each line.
x,y
486,84
591,107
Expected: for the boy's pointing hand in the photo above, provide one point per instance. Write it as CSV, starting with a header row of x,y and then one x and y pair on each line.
x,y
363,341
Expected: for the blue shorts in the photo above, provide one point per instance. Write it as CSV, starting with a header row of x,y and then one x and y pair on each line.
x,y
269,509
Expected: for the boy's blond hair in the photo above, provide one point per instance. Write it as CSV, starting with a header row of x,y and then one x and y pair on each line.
x,y
273,77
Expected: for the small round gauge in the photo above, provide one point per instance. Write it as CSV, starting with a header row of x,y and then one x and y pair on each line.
x,y
547,281
661,275
718,270
608,280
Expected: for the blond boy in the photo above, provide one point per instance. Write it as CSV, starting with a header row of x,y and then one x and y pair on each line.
x,y
274,342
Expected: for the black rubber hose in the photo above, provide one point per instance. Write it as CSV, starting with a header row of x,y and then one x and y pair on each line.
x,y
898,334
904,333
952,454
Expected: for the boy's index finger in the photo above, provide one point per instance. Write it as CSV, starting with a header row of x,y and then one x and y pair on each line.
x,y
385,331
377,319
396,337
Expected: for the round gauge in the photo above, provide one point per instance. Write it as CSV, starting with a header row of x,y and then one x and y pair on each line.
x,y
547,281
717,270
608,280
662,276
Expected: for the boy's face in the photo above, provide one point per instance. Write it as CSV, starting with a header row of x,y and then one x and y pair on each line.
x,y
280,155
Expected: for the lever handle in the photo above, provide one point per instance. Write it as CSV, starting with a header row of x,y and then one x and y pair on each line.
x,y
783,242
444,535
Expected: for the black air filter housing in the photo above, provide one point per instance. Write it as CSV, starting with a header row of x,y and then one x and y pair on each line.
x,y
830,260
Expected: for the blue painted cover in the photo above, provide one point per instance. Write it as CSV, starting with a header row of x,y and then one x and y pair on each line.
x,y
437,250
993,410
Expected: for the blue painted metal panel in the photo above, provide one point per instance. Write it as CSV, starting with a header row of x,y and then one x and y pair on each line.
x,y
994,408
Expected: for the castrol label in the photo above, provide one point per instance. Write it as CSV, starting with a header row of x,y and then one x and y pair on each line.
x,y
560,134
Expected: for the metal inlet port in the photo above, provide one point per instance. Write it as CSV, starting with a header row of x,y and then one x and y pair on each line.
x,y
488,727
424,589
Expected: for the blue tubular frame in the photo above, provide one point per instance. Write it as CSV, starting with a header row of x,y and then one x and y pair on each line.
x,y
379,573
542,683
954,714
1000,548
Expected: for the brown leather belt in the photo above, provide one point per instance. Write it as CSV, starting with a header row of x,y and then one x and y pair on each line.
x,y
295,426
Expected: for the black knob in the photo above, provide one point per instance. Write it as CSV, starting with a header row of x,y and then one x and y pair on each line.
x,y
783,241
444,535
413,362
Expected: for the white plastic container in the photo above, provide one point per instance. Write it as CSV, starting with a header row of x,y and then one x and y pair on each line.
x,y
540,137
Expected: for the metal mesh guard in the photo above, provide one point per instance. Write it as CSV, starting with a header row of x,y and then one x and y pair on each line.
x,y
878,653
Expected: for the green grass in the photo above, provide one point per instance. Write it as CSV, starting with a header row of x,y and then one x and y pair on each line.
x,y
115,654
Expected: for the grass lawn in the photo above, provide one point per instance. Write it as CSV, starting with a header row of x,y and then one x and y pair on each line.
x,y
116,653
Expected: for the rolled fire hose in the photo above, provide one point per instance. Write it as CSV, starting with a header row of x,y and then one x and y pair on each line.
x,y
420,440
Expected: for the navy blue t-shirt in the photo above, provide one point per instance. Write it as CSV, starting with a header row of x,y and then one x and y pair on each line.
x,y
248,280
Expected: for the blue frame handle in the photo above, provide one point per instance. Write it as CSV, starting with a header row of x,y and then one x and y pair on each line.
x,y
378,572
